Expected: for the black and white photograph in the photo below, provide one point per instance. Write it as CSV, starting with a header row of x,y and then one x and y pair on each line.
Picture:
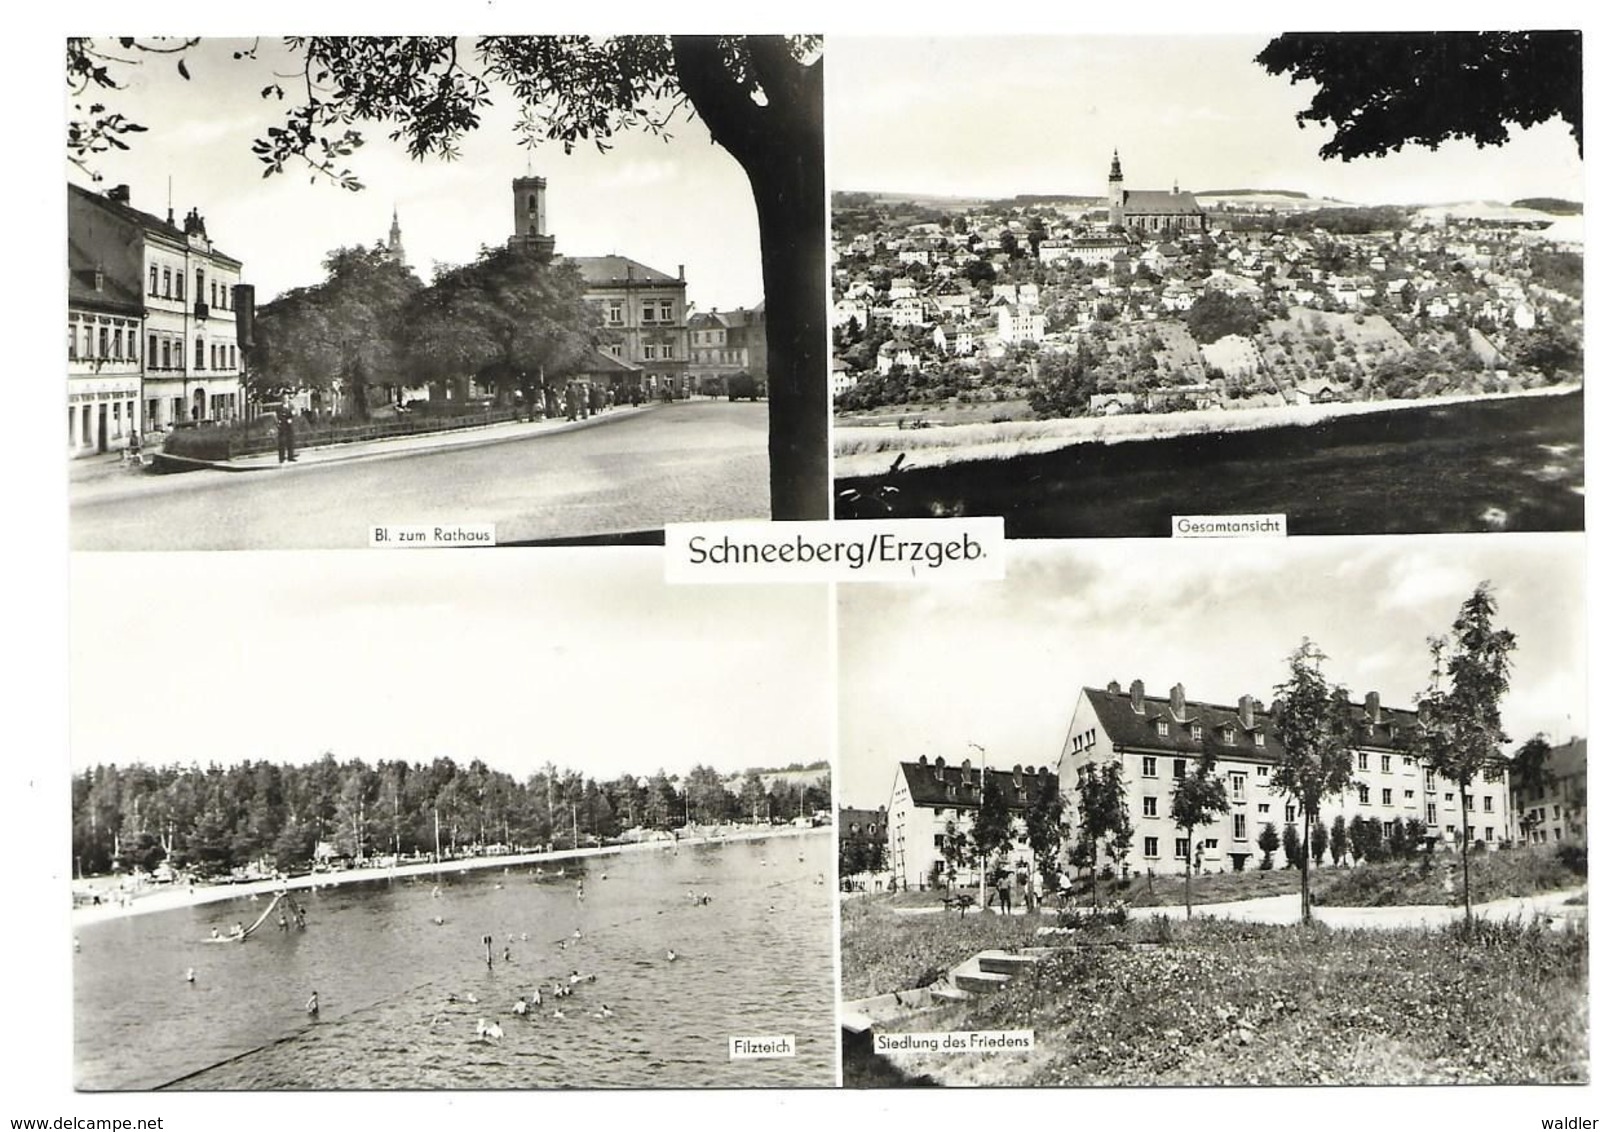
x,y
568,827
540,288
1156,814
1331,276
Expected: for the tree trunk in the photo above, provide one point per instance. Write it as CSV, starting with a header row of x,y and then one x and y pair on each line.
x,y
780,147
1463,833
1189,852
1307,899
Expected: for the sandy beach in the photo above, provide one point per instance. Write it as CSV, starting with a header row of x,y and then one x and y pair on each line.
x,y
166,897
867,451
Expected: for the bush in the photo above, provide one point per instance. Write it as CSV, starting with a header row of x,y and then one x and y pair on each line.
x,y
1573,856
201,442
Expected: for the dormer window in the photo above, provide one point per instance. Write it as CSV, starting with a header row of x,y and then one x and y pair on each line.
x,y
1195,732
1229,733
1161,727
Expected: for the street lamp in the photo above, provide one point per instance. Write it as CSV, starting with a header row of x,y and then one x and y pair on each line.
x,y
983,775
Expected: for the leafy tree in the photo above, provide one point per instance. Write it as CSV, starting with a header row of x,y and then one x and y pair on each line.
x,y
1396,835
1267,841
1198,798
1338,839
760,97
956,849
1530,771
992,830
1460,722
1550,350
510,318
1047,827
344,333
1312,723
1384,90
1218,314
1103,814
1066,383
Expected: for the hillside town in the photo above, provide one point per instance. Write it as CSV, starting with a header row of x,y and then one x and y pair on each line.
x,y
1155,300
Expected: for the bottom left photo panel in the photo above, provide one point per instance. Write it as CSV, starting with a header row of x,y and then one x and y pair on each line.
x,y
447,821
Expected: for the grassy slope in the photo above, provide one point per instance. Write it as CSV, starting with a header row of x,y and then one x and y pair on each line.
x,y
1244,1004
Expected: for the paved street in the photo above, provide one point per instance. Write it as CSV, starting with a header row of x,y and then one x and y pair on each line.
x,y
687,462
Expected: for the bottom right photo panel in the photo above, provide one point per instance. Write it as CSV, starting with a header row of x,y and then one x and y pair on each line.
x,y
1305,812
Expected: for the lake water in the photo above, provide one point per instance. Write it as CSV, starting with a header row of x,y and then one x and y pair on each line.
x,y
756,960
1508,464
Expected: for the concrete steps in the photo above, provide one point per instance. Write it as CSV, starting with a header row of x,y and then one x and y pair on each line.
x,y
988,971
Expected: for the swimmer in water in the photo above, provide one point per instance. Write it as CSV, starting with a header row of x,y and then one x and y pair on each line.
x,y
312,1005
190,974
670,956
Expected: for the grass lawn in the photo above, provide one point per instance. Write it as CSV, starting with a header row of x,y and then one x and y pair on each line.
x,y
883,951
1237,1004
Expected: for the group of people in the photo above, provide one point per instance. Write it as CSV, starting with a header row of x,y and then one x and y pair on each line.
x,y
1029,888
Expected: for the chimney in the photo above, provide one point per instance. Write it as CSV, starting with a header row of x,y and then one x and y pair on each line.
x,y
1371,707
1016,776
966,771
1248,708
681,272
118,194
938,763
922,761
100,278
1137,696
1176,700
1114,688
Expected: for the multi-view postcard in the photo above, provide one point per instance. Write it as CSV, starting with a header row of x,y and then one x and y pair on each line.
x,y
1119,282
554,289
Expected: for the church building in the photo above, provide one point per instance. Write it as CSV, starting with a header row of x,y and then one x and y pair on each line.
x,y
1145,212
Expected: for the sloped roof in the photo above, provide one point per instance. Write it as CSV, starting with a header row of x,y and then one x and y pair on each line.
x,y
606,270
1152,203
144,220
1128,728
931,783
596,361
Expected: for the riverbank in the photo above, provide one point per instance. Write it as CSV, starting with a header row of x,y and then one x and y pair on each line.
x,y
868,451
167,897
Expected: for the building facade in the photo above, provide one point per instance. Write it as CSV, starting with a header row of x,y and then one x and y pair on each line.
x,y
131,271
931,801
723,344
1555,810
1157,741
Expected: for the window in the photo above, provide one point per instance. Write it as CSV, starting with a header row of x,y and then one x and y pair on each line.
x,y
615,312
1430,780
201,354
1181,848
1148,806
1148,766
1237,787
1385,763
178,285
1486,803
1210,844
1385,795
1407,795
153,279
665,311
1178,768
167,284
1162,727
1239,827
1151,847
72,342
1430,813
1363,760
1262,807
1489,833
152,345
1447,797
1257,738
648,312
1290,812
1469,802
201,284
105,351
1195,732
1363,794
1262,772
938,841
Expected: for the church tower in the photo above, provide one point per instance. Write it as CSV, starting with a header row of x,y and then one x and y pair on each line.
x,y
393,244
531,215
1114,194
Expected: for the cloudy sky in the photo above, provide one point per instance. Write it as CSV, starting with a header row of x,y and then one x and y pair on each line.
x,y
584,657
968,115
664,204
930,669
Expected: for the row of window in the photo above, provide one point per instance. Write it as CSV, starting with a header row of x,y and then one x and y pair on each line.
x,y
107,343
662,311
1181,846
165,351
172,286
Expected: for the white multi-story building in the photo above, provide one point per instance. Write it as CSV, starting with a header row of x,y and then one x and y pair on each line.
x,y
929,800
1157,741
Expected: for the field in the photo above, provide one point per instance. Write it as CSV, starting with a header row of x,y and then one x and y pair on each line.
x,y
1235,1004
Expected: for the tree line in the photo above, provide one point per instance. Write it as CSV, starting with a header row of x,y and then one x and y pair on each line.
x,y
211,820
511,320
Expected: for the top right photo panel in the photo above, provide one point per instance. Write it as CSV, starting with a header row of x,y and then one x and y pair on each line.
x,y
1095,284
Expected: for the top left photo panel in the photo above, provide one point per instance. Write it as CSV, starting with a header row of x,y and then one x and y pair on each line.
x,y
330,293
